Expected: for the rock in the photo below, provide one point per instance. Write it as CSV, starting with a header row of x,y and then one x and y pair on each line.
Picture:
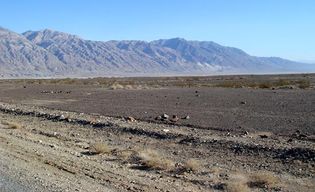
x,y
243,102
166,130
62,117
245,133
263,136
165,116
130,119
158,118
186,117
302,136
175,118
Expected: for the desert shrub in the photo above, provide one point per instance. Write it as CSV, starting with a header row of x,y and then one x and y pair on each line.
x,y
264,85
115,86
99,148
12,125
127,155
303,84
262,180
192,165
230,84
153,160
282,82
237,187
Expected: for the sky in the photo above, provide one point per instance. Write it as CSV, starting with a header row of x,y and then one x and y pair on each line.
x,y
284,28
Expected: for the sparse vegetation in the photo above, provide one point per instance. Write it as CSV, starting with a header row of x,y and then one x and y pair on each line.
x,y
126,155
192,165
11,125
99,148
262,180
115,86
304,84
151,159
267,84
237,186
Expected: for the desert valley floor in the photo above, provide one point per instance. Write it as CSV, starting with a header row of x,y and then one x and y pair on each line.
x,y
220,133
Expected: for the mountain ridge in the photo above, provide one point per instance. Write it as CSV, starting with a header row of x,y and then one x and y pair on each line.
x,y
57,53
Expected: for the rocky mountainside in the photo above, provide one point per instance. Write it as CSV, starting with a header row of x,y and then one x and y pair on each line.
x,y
20,57
52,53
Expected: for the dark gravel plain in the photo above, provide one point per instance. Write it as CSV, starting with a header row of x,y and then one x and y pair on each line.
x,y
278,110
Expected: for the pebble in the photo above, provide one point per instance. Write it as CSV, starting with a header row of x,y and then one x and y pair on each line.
x,y
165,116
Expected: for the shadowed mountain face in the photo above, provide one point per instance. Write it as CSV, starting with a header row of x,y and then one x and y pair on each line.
x,y
53,53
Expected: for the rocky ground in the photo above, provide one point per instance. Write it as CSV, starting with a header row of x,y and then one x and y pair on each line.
x,y
211,102
167,134
55,150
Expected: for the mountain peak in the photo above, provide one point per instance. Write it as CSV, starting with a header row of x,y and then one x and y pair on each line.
x,y
48,35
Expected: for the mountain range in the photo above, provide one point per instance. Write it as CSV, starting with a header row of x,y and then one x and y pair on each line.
x,y
48,53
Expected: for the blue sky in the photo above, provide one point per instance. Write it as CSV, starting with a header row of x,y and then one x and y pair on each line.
x,y
284,28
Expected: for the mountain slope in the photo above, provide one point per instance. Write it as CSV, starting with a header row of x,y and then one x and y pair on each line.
x,y
20,57
51,53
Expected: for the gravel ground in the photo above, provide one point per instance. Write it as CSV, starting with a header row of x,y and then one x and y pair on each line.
x,y
243,139
279,111
51,150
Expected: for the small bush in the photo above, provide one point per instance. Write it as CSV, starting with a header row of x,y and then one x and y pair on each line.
x,y
115,86
303,84
264,85
153,160
99,148
263,180
237,187
282,82
192,165
11,125
127,155
230,84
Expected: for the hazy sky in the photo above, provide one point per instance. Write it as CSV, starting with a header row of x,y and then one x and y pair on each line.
x,y
284,28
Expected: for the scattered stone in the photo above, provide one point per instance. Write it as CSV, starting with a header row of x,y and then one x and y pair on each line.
x,y
175,118
62,117
302,136
299,135
165,116
245,133
166,130
130,119
158,118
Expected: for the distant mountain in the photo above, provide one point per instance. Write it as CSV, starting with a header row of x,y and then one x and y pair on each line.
x,y
52,53
20,57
